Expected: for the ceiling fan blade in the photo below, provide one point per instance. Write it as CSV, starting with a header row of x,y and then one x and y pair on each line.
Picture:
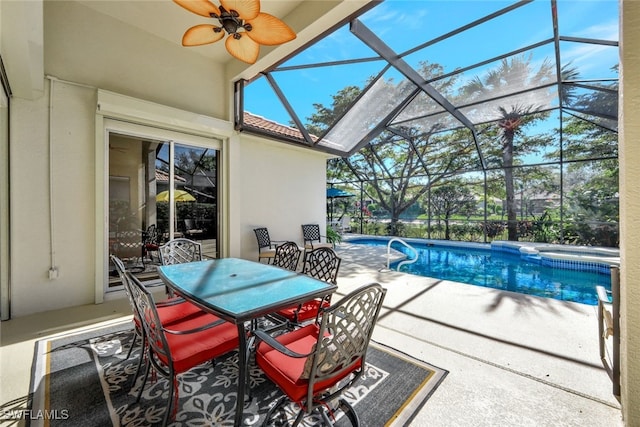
x,y
247,9
201,34
269,31
199,7
244,48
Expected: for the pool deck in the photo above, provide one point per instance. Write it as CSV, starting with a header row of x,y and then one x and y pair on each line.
x,y
513,359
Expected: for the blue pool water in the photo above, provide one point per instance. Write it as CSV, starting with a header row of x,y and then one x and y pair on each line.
x,y
498,270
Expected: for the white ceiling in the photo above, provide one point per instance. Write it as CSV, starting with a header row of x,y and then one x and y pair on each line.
x,y
169,21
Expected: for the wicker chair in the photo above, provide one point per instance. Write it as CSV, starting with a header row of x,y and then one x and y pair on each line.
x,y
315,372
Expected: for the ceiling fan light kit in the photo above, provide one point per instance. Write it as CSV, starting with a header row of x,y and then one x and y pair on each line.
x,y
246,26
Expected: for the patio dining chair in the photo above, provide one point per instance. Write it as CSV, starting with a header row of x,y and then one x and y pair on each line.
x,y
171,311
287,256
266,247
312,238
151,241
316,364
130,246
177,348
322,264
179,251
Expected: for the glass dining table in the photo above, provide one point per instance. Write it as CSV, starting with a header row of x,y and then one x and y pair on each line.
x,y
240,291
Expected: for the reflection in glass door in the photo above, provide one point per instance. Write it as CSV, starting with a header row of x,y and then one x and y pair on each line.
x,y
195,194
141,216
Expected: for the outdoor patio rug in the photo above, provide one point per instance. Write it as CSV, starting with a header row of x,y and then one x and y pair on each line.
x,y
84,379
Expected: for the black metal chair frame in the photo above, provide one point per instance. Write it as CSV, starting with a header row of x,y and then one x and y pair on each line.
x,y
322,263
156,343
266,247
346,328
287,256
151,241
179,251
312,238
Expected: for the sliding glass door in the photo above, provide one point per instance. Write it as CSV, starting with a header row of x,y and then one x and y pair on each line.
x,y
159,190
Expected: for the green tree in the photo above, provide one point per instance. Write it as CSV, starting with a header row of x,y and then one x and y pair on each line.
x,y
512,76
591,208
591,204
451,199
393,167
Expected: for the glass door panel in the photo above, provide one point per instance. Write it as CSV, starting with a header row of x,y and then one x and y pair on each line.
x,y
195,195
140,216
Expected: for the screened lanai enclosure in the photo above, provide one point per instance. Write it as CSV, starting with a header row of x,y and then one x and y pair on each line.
x,y
465,120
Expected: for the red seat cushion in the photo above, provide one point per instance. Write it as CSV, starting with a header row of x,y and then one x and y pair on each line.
x,y
170,313
189,350
308,310
286,371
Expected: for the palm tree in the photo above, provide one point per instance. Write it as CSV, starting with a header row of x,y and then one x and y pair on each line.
x,y
513,75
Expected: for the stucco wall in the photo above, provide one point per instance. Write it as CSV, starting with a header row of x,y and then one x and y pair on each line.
x,y
264,183
630,209
283,187
72,164
84,46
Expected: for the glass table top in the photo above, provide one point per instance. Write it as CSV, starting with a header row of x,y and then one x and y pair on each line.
x,y
240,289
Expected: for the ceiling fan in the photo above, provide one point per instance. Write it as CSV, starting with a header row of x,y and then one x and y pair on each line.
x,y
247,27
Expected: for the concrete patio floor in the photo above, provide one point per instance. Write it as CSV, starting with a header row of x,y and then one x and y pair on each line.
x,y
513,359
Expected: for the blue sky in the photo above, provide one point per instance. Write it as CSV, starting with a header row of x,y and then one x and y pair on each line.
x,y
406,24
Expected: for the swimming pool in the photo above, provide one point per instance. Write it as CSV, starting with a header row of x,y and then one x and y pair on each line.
x,y
481,266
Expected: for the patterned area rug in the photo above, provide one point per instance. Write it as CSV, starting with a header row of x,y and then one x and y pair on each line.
x,y
85,379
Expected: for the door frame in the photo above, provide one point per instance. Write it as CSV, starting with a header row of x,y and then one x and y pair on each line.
x,y
141,119
5,223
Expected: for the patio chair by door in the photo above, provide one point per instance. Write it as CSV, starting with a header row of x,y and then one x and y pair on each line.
x,y
171,312
179,251
309,364
151,242
130,246
266,248
172,351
